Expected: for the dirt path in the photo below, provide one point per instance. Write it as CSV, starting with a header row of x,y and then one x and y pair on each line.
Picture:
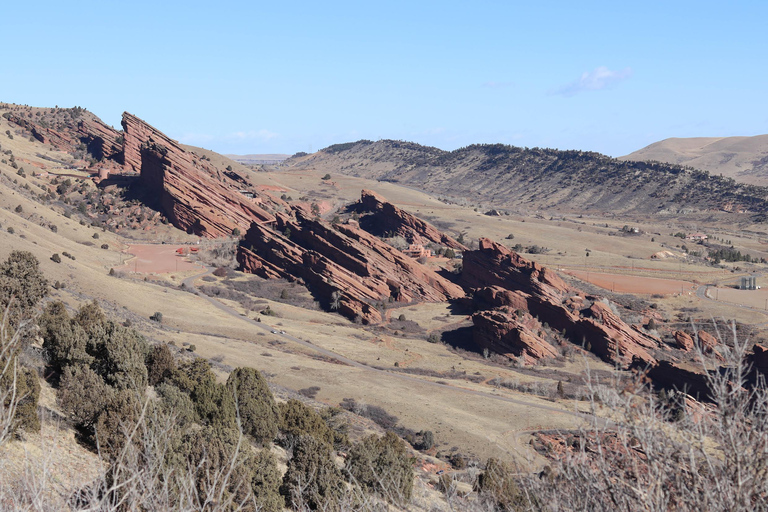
x,y
157,259
633,284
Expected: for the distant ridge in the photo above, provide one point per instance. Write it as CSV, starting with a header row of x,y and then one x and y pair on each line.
x,y
267,158
515,178
744,159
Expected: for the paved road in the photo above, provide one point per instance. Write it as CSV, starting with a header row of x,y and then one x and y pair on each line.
x,y
189,285
701,292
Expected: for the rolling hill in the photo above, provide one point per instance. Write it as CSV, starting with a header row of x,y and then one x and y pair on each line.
x,y
744,159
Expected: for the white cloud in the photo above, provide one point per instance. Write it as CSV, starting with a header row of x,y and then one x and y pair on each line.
x,y
595,80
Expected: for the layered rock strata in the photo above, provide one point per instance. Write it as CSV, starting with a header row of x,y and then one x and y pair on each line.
x,y
513,288
195,198
385,218
345,267
101,141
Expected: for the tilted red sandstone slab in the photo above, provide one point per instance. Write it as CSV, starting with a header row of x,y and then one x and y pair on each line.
x,y
387,218
101,141
502,331
345,267
195,197
493,268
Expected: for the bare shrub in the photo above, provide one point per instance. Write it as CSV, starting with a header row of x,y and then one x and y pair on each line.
x,y
218,253
660,454
373,412
310,392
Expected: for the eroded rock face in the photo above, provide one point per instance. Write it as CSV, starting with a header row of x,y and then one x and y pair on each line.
x,y
345,267
387,218
503,331
195,197
492,264
101,141
505,281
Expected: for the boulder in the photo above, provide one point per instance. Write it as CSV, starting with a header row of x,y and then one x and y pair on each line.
x,y
684,340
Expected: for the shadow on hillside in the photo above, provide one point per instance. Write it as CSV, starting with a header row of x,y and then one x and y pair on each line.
x,y
460,338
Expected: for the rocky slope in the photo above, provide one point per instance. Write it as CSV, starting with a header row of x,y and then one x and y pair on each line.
x,y
512,290
744,159
346,268
515,178
72,130
196,197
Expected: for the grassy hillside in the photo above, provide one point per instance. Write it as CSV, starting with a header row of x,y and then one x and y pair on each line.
x,y
744,159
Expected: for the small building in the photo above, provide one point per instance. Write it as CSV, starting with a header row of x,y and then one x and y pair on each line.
x,y
418,251
697,237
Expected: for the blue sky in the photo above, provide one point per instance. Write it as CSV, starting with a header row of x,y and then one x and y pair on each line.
x,y
282,77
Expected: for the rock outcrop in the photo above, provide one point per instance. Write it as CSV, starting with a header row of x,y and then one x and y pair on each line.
x,y
504,281
492,264
101,141
383,217
195,197
505,331
346,268
684,340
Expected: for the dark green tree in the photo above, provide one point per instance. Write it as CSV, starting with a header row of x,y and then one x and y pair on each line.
x,y
65,341
116,424
297,419
258,412
22,281
214,403
265,481
82,395
313,481
160,364
382,465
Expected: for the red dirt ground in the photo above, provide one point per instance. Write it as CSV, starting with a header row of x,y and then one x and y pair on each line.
x,y
157,259
633,284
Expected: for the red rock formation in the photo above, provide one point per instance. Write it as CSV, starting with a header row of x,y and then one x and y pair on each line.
x,y
502,331
708,342
195,198
345,267
687,340
495,265
102,141
684,340
501,278
495,296
387,218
